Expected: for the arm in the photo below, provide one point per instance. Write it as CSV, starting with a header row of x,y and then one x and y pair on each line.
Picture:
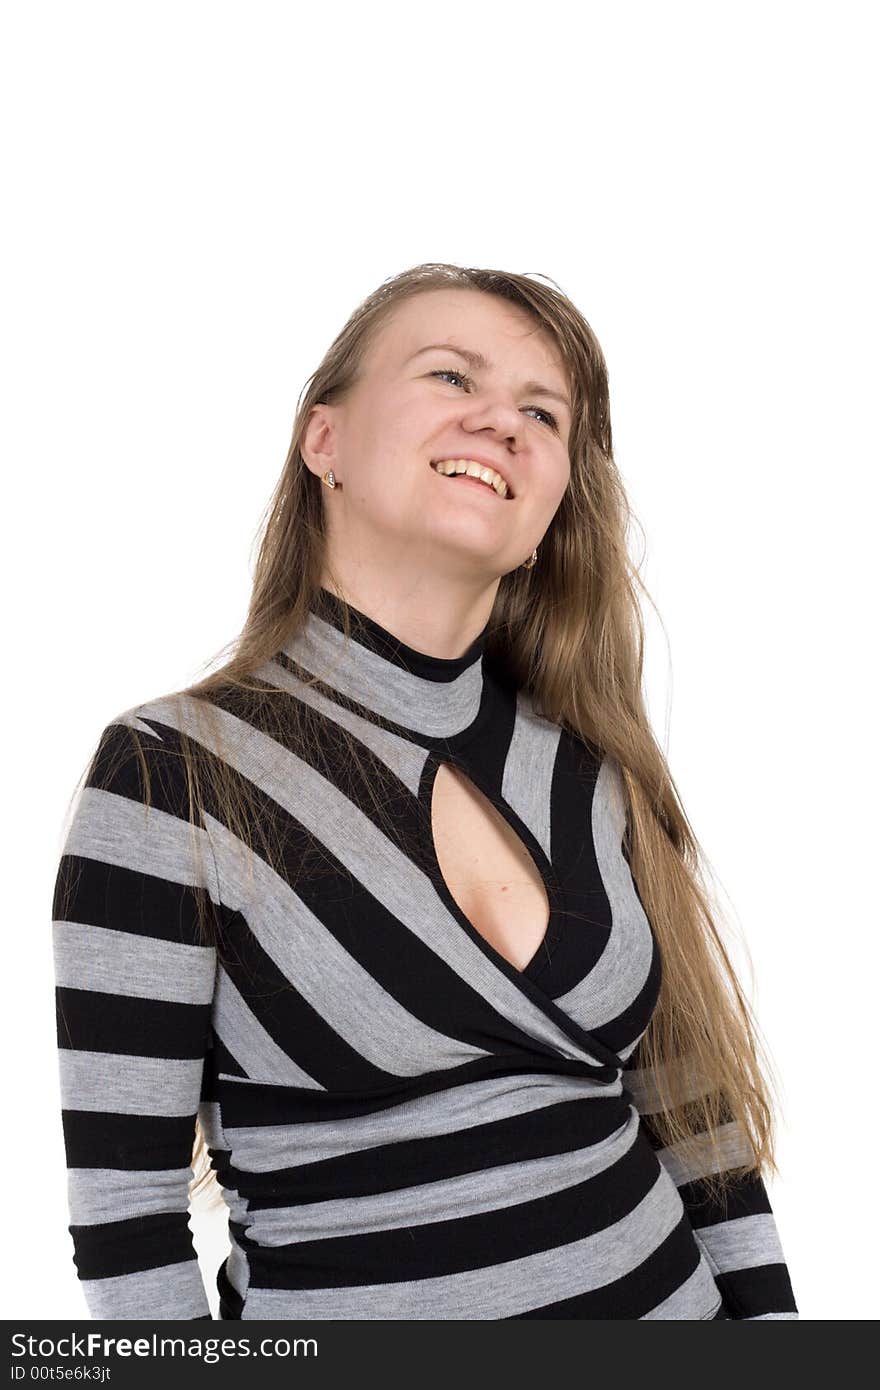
x,y
737,1233
133,992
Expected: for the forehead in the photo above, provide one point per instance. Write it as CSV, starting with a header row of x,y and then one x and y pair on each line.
x,y
479,321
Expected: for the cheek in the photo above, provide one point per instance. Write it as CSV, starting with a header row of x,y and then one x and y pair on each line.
x,y
555,486
387,492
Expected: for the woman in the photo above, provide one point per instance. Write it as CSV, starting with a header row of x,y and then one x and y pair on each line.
x,y
399,907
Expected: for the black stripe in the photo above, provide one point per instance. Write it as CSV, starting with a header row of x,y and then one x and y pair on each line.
x,y
90,1021
103,1139
761,1289
97,894
111,1248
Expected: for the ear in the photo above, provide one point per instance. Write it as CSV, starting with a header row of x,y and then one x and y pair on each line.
x,y
319,444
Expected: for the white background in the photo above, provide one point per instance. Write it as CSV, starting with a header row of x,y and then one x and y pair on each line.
x,y
197,196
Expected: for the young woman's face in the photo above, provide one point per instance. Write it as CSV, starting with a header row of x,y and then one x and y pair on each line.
x,y
417,403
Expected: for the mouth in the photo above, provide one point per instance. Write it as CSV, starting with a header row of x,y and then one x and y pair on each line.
x,y
468,471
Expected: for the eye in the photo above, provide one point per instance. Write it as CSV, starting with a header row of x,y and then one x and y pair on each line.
x,y
551,420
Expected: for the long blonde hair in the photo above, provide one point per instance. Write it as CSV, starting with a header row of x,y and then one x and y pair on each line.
x,y
570,630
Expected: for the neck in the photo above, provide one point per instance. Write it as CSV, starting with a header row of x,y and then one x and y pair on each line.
x,y
430,612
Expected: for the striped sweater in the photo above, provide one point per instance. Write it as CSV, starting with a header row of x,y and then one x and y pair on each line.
x,y
404,1125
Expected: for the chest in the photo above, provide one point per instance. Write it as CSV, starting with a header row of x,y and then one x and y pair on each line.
x,y
488,870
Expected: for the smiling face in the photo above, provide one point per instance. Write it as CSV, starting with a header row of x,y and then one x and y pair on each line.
x,y
497,394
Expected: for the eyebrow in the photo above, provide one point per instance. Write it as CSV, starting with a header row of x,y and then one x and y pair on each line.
x,y
479,363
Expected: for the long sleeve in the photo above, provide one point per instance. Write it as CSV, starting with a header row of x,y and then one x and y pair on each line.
x,y
133,992
737,1232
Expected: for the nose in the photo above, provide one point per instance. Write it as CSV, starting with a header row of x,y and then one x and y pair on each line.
x,y
501,417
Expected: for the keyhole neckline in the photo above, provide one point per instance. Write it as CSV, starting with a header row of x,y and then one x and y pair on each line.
x,y
540,958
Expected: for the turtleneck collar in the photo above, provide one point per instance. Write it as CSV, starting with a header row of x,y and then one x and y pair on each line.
x,y
439,697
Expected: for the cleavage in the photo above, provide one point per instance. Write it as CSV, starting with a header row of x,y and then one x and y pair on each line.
x,y
488,871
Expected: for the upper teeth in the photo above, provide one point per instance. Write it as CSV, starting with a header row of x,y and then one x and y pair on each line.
x,y
474,470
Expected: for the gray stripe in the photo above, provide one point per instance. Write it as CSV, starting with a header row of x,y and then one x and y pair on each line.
x,y
437,708
170,1291
115,829
528,770
130,717
142,967
775,1317
496,1291
264,1148
106,1081
644,1084
405,758
115,1194
744,1242
685,1163
623,968
237,1267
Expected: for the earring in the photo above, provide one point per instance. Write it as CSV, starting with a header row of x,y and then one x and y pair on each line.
x,y
329,478
527,564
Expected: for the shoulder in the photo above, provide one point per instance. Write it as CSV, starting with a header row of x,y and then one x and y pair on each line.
x,y
140,752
